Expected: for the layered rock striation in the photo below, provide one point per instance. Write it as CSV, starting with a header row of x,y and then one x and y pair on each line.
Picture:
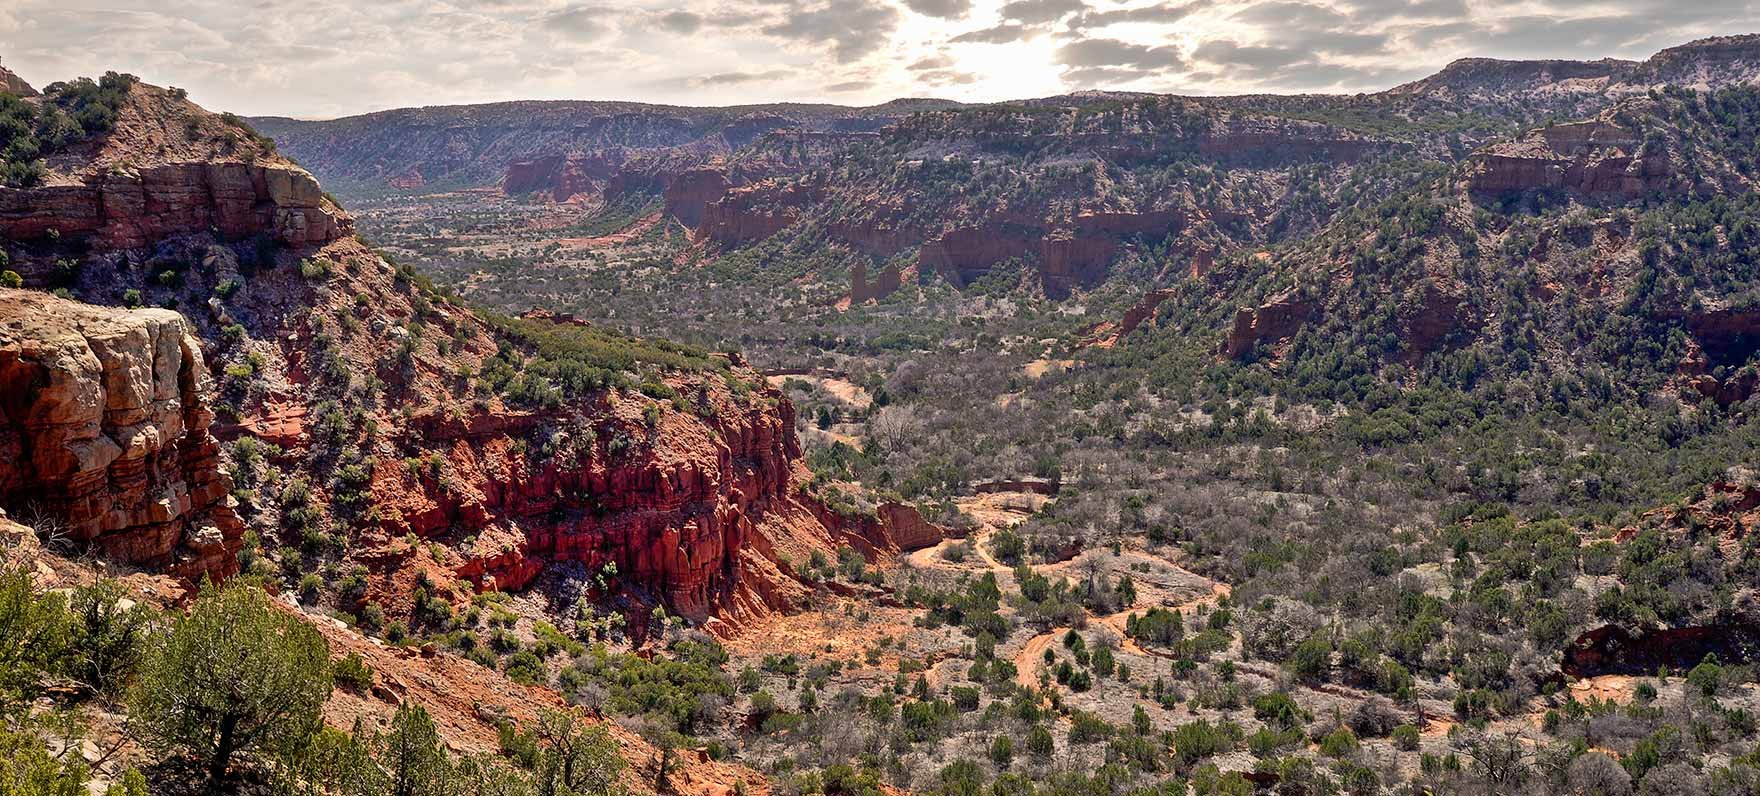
x,y
104,436
132,209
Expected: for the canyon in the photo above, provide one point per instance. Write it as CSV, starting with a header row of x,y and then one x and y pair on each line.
x,y
697,502
1104,442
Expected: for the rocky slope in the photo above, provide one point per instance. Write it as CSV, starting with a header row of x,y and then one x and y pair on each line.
x,y
1633,217
367,417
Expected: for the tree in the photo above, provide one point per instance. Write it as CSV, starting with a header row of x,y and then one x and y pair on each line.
x,y
1596,774
576,760
1674,779
1040,742
33,637
415,762
108,632
237,675
1002,751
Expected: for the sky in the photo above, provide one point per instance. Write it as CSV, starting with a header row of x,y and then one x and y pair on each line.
x,y
327,58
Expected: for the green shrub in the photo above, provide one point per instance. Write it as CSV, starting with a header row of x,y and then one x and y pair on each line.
x,y
237,675
108,634
1339,743
314,269
352,673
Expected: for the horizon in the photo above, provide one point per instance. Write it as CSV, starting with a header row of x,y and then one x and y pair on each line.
x,y
850,53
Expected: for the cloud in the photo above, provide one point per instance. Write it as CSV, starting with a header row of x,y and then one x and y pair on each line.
x,y
852,28
1286,16
1115,53
578,22
1039,12
1000,34
1228,53
332,57
945,9
1165,13
1371,10
680,22
948,77
739,78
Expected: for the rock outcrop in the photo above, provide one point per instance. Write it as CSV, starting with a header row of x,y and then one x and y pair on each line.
x,y
134,209
690,193
105,434
1595,158
678,511
1274,321
1143,310
861,290
562,178
13,84
165,168
1613,649
755,212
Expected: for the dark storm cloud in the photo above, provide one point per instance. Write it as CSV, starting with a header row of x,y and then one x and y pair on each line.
x,y
945,9
851,28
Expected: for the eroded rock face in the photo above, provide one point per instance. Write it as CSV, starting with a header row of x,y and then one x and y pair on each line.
x,y
1596,158
689,193
1143,310
1613,649
1277,320
105,433
562,177
13,84
698,509
862,290
755,212
129,209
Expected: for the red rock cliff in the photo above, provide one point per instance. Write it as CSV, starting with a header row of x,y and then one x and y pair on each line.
x,y
104,433
167,168
697,509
